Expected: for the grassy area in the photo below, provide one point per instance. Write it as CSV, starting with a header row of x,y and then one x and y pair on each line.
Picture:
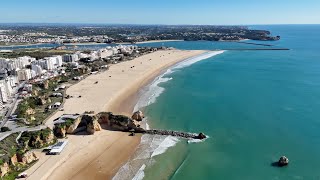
x,y
36,53
8,147
35,104
19,169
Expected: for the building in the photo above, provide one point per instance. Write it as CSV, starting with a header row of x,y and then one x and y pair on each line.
x,y
36,69
70,58
49,63
3,94
24,74
58,61
103,53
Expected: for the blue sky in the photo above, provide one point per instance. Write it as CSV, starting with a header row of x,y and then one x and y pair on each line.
x,y
218,12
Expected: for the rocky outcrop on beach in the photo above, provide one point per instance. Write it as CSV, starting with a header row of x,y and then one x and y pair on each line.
x,y
73,126
85,122
92,123
118,122
138,116
60,131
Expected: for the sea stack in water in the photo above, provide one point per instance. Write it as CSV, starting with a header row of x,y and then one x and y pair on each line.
x,y
283,161
138,116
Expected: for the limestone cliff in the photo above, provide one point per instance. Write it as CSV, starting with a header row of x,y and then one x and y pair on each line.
x,y
4,169
92,123
37,139
118,122
28,157
74,125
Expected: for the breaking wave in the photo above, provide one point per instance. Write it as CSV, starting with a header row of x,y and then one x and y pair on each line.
x,y
150,93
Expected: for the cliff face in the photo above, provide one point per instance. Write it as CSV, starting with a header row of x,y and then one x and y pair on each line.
x,y
119,122
83,122
74,125
28,157
92,123
37,139
16,160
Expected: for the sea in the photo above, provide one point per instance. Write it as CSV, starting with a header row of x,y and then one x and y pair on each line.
x,y
254,105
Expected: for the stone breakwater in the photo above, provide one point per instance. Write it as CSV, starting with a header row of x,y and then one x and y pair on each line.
x,y
186,135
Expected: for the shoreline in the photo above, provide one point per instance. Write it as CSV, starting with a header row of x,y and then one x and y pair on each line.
x,y
120,98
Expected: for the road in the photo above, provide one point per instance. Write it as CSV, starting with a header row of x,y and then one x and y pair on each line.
x,y
3,135
9,112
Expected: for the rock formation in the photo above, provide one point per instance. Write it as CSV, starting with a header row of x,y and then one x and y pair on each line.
x,y
4,169
30,111
37,139
28,157
201,136
71,129
118,122
138,116
92,123
283,161
60,131
14,160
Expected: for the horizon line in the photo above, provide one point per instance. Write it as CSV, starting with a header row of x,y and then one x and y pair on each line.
x,y
146,24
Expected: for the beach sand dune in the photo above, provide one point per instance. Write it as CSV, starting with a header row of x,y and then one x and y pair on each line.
x,y
99,156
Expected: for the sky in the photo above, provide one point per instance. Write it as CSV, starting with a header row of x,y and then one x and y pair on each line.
x,y
211,12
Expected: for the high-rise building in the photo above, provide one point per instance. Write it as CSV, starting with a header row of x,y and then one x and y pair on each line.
x,y
36,69
3,93
24,74
70,58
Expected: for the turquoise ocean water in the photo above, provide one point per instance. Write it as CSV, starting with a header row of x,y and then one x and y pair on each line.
x,y
255,105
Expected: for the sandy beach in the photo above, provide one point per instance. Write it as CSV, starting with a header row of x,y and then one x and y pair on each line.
x,y
99,156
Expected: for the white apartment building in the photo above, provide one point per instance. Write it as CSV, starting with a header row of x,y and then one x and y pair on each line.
x,y
36,69
103,53
3,94
70,58
24,74
49,63
58,61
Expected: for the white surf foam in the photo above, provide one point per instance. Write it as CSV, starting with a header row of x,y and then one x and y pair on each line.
x,y
140,173
152,91
164,145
